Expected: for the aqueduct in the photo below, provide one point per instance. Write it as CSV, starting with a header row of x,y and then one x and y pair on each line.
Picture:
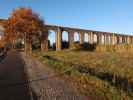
x,y
102,38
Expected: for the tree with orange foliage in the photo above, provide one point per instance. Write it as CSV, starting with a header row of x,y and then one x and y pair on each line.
x,y
24,22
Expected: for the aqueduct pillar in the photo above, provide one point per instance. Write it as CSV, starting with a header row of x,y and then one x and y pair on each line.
x,y
44,43
81,37
58,39
104,39
128,40
91,36
71,38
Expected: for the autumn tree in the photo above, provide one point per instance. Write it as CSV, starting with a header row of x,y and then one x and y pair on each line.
x,y
25,23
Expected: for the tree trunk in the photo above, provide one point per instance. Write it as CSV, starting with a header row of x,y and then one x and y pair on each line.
x,y
44,45
13,43
27,43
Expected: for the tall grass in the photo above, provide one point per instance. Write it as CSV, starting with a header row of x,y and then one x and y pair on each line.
x,y
111,73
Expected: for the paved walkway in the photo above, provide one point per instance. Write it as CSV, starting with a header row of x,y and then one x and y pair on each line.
x,y
16,69
12,77
47,85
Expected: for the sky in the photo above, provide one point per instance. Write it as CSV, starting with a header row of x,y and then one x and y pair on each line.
x,y
102,15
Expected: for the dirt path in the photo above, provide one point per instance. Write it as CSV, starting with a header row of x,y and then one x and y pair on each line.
x,y
46,87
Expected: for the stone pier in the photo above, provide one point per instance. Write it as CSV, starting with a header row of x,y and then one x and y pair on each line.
x,y
58,39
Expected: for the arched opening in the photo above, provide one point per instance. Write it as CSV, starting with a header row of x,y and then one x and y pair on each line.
x,y
86,38
76,44
76,37
65,43
86,41
51,40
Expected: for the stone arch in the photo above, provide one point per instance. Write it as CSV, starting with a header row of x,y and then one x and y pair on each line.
x,y
76,37
52,39
65,43
86,38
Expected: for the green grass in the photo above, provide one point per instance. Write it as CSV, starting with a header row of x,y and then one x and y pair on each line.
x,y
117,64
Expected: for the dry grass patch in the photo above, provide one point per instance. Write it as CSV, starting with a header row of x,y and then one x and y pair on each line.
x,y
110,73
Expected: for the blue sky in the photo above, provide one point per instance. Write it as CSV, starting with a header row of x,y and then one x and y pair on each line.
x,y
102,15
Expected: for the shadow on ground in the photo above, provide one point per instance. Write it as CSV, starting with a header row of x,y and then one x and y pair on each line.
x,y
13,78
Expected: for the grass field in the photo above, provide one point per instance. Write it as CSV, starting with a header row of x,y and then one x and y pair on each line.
x,y
108,75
